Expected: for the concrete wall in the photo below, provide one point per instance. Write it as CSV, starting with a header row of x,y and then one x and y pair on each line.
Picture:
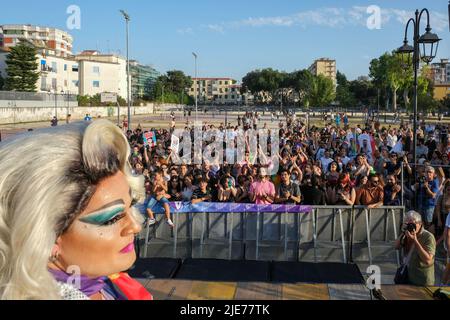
x,y
34,111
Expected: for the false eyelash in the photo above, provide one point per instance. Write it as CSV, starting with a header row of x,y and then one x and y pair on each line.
x,y
115,219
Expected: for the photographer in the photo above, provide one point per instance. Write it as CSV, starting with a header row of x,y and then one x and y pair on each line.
x,y
419,248
427,189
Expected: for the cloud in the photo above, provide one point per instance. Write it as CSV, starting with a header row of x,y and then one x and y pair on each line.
x,y
185,31
327,17
216,28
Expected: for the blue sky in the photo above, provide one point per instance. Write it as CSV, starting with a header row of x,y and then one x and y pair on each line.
x,y
234,37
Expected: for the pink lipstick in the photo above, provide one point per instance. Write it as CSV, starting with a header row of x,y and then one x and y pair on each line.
x,y
128,248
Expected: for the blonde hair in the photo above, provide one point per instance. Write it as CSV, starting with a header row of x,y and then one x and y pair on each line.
x,y
47,178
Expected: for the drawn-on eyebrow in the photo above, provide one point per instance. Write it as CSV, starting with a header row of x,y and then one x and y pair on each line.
x,y
106,206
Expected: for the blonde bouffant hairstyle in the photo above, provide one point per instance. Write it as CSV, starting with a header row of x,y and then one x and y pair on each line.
x,y
47,178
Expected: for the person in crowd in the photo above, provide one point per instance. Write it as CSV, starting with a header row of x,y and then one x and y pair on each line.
x,y
262,191
342,194
174,188
392,192
446,276
427,189
158,200
188,189
227,191
419,247
312,192
202,194
54,122
73,208
288,192
372,194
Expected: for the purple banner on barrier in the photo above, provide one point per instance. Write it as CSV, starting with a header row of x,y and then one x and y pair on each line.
x,y
222,207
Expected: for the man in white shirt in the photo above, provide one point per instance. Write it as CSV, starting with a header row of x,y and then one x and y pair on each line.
x,y
391,139
344,158
325,161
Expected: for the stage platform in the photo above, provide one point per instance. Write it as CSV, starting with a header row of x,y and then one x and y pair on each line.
x,y
209,279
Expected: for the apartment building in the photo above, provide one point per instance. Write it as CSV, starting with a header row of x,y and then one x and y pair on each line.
x,y
325,67
143,78
217,91
87,73
49,41
101,73
440,77
440,71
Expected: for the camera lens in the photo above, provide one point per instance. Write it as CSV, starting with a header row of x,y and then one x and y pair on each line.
x,y
411,227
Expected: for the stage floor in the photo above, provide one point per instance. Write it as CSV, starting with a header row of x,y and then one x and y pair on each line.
x,y
209,279
172,289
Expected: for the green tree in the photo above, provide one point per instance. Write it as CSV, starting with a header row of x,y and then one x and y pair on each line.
x,y
378,71
83,101
22,68
344,95
301,83
172,88
322,91
2,81
264,84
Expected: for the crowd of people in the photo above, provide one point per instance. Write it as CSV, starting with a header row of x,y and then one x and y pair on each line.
x,y
334,164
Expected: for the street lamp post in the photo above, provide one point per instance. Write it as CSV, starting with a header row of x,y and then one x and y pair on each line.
x,y
56,104
430,44
127,20
195,88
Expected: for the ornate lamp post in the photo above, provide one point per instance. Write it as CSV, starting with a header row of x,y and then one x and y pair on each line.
x,y
425,49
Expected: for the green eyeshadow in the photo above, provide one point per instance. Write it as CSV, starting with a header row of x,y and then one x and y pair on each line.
x,y
102,217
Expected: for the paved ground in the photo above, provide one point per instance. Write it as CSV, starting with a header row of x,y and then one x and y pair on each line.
x,y
163,121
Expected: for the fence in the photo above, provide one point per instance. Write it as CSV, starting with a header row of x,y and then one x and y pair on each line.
x,y
35,96
326,234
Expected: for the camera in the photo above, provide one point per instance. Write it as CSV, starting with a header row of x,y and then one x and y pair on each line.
x,y
422,179
411,227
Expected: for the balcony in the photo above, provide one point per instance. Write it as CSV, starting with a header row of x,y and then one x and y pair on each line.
x,y
46,69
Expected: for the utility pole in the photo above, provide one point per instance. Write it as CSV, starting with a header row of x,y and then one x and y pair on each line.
x,y
127,20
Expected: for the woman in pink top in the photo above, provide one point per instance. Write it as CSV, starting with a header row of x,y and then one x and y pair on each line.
x,y
262,191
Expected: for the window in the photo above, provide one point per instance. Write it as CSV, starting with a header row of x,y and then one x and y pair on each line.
x,y
75,68
75,83
226,89
226,96
226,82
65,83
54,67
96,70
220,82
232,97
54,83
65,67
96,84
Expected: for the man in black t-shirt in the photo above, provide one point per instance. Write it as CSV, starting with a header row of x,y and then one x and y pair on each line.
x,y
202,194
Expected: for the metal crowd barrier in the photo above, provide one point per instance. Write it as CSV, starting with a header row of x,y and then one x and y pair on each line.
x,y
326,234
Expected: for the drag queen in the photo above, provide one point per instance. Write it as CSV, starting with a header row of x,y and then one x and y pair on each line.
x,y
67,225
